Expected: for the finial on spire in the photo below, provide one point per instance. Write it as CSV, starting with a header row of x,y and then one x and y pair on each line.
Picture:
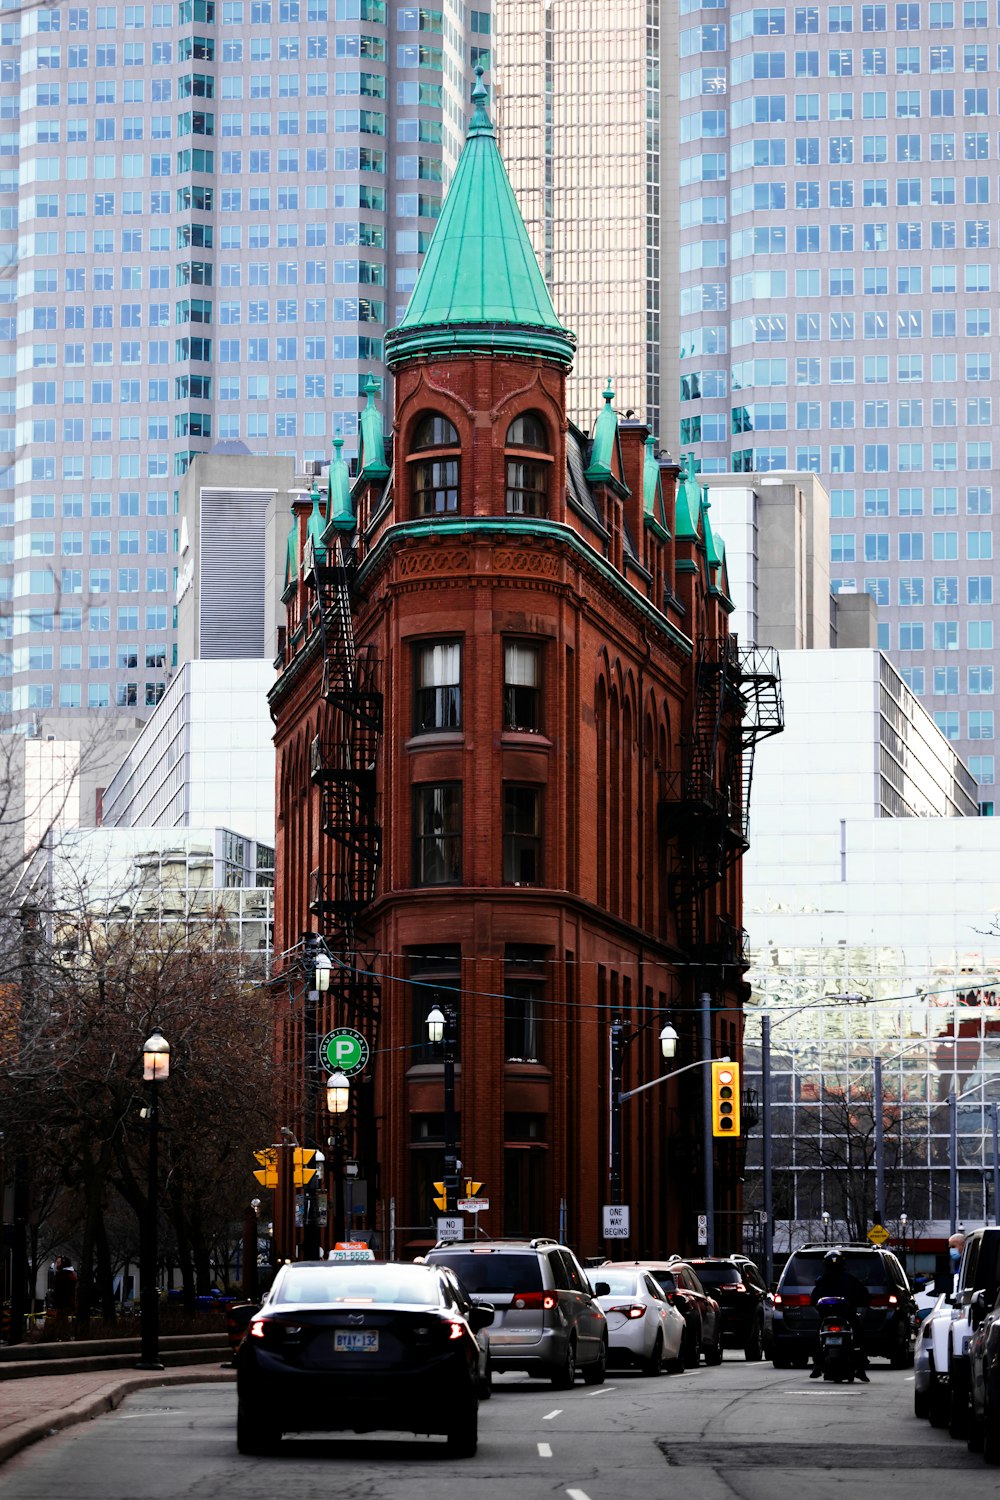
x,y
371,388
480,119
609,392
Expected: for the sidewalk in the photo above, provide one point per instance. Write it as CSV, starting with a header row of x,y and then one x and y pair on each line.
x,y
33,1408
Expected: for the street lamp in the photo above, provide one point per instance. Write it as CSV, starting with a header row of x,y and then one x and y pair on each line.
x,y
338,1099
903,1221
324,964
826,1227
155,1070
441,1033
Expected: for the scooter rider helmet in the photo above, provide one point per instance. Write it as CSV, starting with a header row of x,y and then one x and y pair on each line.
x,y
833,1258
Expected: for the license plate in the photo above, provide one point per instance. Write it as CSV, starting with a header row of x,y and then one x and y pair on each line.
x,y
835,1339
345,1342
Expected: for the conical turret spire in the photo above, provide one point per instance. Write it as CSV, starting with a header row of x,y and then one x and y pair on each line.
x,y
480,287
340,512
373,464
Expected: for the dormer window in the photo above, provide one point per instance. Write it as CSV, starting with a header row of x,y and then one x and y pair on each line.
x,y
435,478
527,477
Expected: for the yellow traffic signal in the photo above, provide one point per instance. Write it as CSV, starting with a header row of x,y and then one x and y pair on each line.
x,y
441,1199
725,1098
472,1188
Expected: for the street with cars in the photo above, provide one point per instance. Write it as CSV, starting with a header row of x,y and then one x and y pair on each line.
x,y
741,1428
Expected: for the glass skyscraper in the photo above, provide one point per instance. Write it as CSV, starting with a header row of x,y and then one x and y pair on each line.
x,y
839,224
210,212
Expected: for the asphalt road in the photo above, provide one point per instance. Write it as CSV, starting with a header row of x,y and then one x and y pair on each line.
x,y
740,1430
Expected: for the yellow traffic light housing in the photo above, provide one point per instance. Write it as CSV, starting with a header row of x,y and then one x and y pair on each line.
x,y
726,1099
441,1199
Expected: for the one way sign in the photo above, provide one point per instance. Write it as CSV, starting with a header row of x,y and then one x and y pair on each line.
x,y
616,1226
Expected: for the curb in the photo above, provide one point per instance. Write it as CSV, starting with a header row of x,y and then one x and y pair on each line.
x,y
105,1398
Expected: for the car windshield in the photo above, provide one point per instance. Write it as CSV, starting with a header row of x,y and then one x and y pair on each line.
x,y
719,1274
620,1283
378,1284
492,1270
805,1270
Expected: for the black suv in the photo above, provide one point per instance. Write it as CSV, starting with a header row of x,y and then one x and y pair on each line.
x,y
888,1321
739,1289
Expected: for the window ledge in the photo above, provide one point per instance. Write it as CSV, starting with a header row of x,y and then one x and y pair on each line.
x,y
525,739
434,739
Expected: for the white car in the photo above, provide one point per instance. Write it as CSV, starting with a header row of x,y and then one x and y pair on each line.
x,y
931,1395
644,1329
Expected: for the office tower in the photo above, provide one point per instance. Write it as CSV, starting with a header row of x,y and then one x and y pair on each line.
x,y
210,212
584,126
838,190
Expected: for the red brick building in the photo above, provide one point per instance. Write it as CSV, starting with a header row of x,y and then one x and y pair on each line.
x,y
510,728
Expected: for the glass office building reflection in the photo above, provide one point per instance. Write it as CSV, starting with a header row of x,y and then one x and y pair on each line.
x,y
210,212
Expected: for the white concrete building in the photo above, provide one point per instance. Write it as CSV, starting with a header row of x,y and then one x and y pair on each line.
x,y
205,758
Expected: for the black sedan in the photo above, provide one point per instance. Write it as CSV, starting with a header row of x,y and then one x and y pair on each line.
x,y
360,1348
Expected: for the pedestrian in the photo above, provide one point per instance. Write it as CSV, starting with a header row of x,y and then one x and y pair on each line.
x,y
63,1295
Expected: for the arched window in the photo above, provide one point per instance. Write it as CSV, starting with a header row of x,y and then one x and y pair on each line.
x,y
527,478
435,480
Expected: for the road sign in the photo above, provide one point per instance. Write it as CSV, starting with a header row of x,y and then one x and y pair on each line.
x,y
473,1205
878,1234
703,1229
616,1226
344,1051
267,1174
450,1227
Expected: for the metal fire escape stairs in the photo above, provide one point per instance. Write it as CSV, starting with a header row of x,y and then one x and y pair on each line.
x,y
737,704
343,765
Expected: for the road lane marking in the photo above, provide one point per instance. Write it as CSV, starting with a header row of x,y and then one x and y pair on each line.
x,y
544,1450
604,1391
549,1415
578,1495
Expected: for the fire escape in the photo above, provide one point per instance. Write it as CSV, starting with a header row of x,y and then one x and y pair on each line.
x,y
343,765
707,809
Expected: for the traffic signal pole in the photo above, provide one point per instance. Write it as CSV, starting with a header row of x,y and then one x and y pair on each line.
x,y
707,1136
450,1130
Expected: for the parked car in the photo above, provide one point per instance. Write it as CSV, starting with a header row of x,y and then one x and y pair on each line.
x,y
930,1364
984,1377
888,1321
547,1320
644,1329
739,1289
701,1312
978,1271
360,1348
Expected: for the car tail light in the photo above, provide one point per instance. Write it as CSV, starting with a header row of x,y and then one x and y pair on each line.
x,y
535,1301
630,1309
258,1328
739,1287
455,1331
791,1299
267,1328
883,1299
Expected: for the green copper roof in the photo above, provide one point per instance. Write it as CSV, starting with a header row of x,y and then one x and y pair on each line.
x,y
480,287
340,512
688,506
292,551
605,437
373,464
315,526
713,548
650,477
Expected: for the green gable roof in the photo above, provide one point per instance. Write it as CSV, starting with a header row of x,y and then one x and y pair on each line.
x,y
480,287
688,509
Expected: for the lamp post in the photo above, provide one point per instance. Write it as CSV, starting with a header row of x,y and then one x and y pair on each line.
x,y
826,1227
251,1234
903,1221
618,1041
155,1070
318,965
441,1033
338,1098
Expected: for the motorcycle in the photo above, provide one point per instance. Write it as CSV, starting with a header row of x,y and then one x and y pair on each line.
x,y
839,1350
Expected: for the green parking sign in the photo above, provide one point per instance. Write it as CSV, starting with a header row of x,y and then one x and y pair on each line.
x,y
345,1051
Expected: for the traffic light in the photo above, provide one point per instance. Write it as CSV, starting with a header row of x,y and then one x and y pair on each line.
x,y
725,1098
441,1197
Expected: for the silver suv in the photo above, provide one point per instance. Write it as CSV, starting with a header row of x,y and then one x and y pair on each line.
x,y
547,1321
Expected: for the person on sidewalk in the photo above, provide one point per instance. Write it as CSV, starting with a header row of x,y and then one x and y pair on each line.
x,y
64,1296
